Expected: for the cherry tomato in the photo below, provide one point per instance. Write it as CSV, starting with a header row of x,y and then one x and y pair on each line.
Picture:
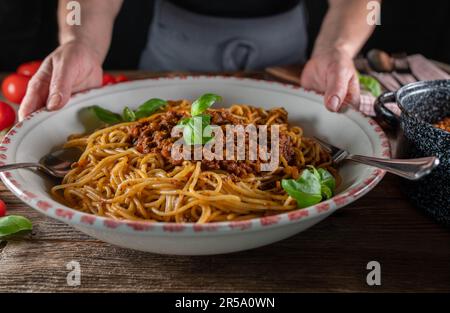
x,y
7,116
121,78
2,208
14,87
108,79
29,68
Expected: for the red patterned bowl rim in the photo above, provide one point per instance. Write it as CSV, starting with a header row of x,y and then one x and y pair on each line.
x,y
46,205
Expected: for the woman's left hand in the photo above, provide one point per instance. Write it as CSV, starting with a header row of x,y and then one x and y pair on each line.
x,y
332,72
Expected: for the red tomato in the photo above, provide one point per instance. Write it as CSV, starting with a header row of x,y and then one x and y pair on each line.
x,y
29,68
121,78
108,79
14,87
2,208
7,116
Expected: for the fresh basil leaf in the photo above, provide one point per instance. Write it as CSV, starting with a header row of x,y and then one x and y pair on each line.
x,y
188,135
149,107
327,179
370,84
309,181
313,186
106,115
314,171
184,121
196,124
326,192
205,119
203,103
13,225
194,129
207,140
192,135
306,190
128,115
207,133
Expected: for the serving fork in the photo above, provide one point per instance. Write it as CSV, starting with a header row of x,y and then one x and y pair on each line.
x,y
412,169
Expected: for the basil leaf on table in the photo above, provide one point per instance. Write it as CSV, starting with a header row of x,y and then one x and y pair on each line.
x,y
370,84
306,190
106,115
13,225
149,107
203,103
128,115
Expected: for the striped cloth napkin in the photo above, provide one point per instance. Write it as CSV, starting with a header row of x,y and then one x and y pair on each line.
x,y
421,67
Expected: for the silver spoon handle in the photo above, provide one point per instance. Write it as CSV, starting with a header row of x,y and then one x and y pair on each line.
x,y
16,166
412,169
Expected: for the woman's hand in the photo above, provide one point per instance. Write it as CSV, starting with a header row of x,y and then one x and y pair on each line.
x,y
332,73
72,67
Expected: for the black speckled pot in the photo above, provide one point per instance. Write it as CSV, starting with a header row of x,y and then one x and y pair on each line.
x,y
423,104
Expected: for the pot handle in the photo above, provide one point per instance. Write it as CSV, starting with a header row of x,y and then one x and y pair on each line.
x,y
385,116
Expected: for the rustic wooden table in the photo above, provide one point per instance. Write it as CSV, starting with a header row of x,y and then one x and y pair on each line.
x,y
414,253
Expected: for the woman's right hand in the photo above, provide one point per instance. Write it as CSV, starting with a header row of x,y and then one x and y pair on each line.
x,y
72,67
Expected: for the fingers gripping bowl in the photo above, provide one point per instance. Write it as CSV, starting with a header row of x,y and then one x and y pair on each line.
x,y
43,131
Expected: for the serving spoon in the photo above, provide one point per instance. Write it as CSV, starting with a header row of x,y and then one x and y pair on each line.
x,y
56,164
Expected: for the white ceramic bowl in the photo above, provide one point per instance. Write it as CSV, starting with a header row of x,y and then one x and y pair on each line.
x,y
30,140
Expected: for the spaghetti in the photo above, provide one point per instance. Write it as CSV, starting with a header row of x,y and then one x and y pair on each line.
x,y
125,171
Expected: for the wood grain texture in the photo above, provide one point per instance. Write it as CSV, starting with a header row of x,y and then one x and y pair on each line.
x,y
413,250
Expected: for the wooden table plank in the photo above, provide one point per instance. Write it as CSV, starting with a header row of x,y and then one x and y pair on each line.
x,y
297,264
413,251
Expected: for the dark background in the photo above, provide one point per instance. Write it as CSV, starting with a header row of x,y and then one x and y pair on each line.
x,y
28,30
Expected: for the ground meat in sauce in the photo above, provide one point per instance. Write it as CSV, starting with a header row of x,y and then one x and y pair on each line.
x,y
155,137
222,117
444,124
286,148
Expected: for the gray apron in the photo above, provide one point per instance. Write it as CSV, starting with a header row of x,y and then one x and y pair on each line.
x,y
180,40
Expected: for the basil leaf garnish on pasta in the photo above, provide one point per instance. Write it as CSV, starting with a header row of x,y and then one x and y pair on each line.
x,y
195,126
146,109
313,186
184,121
149,107
204,103
106,115
306,190
326,192
128,115
327,179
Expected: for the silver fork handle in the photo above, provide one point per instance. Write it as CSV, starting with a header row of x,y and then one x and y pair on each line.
x,y
16,166
412,169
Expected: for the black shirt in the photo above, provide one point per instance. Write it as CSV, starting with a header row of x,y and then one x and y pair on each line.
x,y
237,8
28,31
